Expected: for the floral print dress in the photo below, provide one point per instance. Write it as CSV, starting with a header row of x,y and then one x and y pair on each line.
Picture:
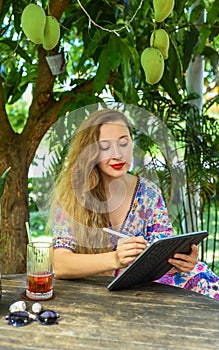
x,y
147,216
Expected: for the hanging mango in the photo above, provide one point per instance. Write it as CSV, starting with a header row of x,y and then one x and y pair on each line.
x,y
152,62
51,33
33,20
39,28
160,40
162,9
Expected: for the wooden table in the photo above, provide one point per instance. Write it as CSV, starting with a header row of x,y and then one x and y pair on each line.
x,y
149,317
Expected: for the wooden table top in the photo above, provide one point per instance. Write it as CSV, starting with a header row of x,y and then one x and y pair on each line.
x,y
148,317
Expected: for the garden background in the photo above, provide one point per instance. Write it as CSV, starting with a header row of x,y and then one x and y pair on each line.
x,y
101,44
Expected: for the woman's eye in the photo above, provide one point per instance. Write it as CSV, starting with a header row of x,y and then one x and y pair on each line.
x,y
104,146
124,144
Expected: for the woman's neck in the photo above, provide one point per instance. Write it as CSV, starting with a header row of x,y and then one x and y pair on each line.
x,y
114,186
119,191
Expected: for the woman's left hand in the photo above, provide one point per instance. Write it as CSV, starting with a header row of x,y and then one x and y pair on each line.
x,y
183,262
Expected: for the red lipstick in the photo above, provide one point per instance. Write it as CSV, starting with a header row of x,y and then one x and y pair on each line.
x,y
117,166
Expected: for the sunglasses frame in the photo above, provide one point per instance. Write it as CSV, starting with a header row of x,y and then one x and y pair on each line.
x,y
22,318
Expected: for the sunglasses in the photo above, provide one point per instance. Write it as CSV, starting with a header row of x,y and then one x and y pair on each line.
x,y
22,318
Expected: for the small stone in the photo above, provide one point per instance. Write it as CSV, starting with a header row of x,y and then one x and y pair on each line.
x,y
17,306
36,308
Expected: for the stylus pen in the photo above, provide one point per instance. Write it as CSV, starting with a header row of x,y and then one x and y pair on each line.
x,y
109,230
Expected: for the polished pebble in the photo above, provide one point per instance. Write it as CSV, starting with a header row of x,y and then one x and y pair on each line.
x,y
17,306
36,308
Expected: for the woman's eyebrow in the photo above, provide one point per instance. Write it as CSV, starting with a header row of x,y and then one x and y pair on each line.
x,y
111,138
121,137
104,141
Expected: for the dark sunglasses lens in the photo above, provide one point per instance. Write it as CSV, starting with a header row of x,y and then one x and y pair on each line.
x,y
18,318
47,317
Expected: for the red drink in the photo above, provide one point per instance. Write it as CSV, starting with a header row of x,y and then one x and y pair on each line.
x,y
39,287
39,283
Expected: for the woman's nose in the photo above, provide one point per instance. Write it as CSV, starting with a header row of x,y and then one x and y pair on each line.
x,y
116,152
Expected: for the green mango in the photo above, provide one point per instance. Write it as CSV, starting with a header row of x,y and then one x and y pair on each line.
x,y
160,40
51,33
152,62
33,20
162,9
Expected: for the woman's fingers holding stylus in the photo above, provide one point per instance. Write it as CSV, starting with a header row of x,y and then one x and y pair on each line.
x,y
128,250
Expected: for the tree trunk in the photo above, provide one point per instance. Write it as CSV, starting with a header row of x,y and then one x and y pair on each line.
x,y
14,210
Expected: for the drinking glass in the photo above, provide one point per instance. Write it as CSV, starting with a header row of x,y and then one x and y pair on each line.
x,y
39,271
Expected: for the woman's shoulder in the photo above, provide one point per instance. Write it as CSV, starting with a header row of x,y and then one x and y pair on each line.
x,y
148,184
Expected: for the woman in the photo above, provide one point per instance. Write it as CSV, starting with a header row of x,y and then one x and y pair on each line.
x,y
95,190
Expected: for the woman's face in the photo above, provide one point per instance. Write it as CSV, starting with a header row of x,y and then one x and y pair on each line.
x,y
115,149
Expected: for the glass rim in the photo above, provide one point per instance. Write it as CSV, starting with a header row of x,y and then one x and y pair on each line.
x,y
40,244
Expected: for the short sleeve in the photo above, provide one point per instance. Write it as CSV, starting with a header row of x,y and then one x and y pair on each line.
x,y
62,233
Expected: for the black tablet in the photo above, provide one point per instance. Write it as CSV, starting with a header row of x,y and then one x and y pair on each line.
x,y
152,263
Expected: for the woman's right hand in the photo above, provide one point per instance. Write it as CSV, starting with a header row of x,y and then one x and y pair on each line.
x,y
128,250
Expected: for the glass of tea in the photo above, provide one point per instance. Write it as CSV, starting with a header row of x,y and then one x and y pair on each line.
x,y
39,271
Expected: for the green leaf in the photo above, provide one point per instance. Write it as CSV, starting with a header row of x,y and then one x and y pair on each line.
x,y
213,12
119,95
126,71
16,48
189,43
17,92
114,52
90,47
103,71
4,9
196,14
125,63
171,87
204,35
173,68
17,15
131,51
13,80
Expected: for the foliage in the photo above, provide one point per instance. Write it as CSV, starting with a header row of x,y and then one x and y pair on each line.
x,y
102,52
92,52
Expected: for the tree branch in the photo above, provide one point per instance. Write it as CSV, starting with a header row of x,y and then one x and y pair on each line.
x,y
49,116
57,7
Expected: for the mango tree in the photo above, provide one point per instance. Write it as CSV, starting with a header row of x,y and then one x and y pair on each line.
x,y
102,43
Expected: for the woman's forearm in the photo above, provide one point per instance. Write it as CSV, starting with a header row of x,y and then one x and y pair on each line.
x,y
70,265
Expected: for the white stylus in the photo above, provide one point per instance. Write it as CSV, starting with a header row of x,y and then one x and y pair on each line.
x,y
109,230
